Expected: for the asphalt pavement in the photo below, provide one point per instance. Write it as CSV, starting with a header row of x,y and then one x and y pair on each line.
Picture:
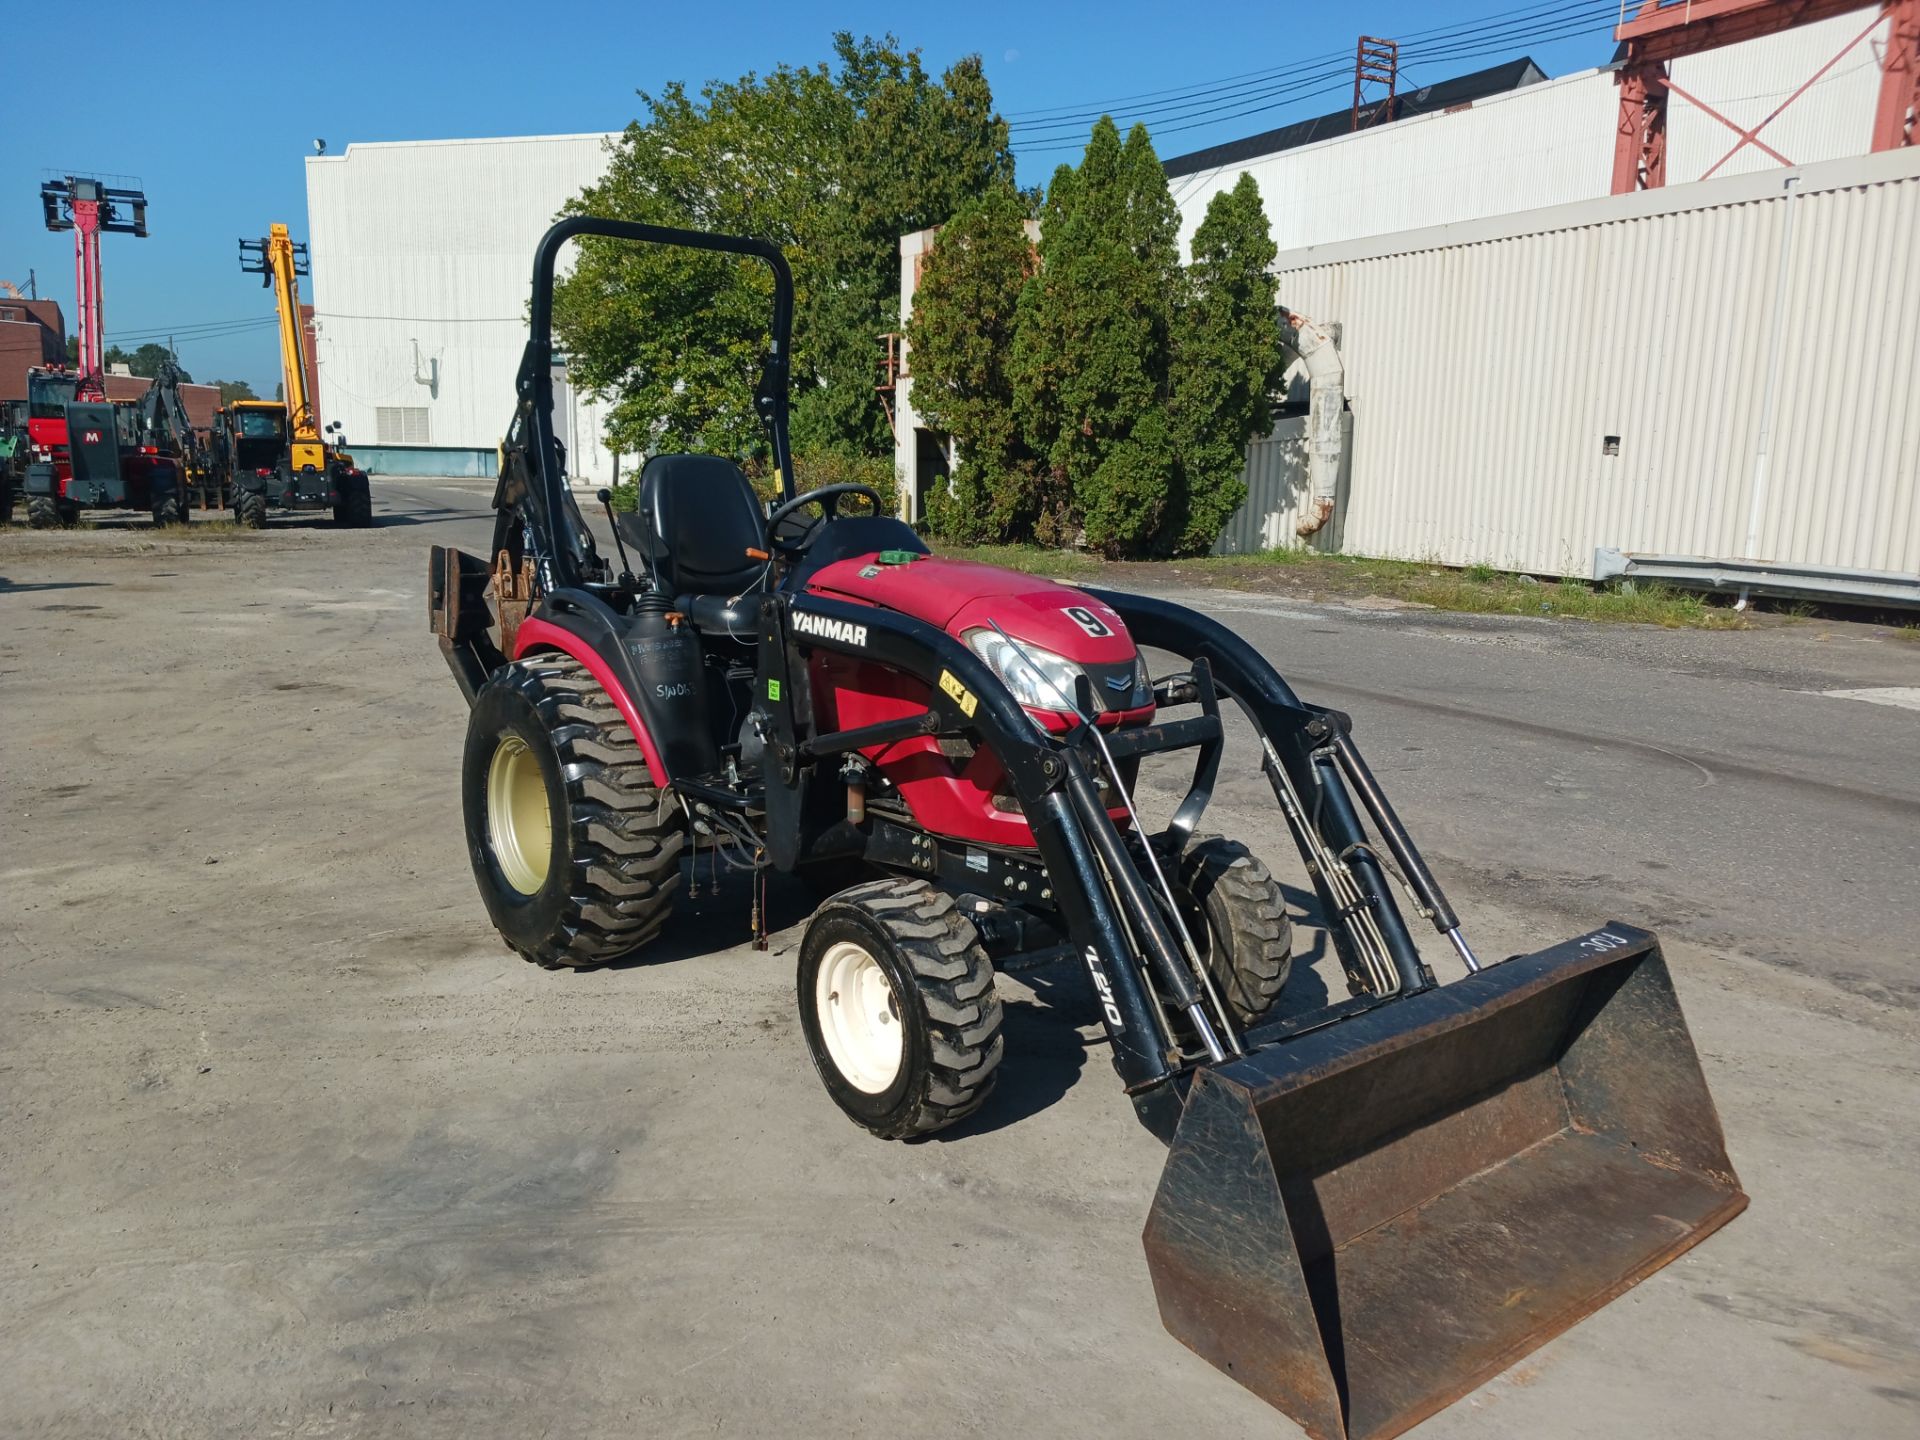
x,y
290,1145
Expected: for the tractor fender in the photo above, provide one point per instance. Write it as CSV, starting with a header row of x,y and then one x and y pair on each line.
x,y
553,633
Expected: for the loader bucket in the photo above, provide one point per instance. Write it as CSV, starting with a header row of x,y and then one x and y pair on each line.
x,y
1363,1221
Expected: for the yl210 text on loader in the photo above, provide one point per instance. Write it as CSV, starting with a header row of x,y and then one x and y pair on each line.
x,y
1367,1210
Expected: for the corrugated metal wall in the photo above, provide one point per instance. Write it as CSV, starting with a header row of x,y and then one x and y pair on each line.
x,y
1488,363
1277,493
431,244
1552,143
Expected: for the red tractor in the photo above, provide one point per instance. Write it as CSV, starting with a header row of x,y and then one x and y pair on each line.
x,y
1367,1208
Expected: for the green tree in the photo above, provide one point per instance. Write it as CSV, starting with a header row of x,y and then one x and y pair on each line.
x,y
1092,352
1226,363
146,361
831,164
964,311
916,153
231,390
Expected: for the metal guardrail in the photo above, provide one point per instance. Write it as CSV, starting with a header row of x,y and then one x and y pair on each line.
x,y
1761,577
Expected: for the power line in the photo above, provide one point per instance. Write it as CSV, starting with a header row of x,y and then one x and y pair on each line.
x,y
1538,23
1515,21
194,329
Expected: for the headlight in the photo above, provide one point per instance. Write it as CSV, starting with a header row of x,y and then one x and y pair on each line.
x,y
1043,680
1036,677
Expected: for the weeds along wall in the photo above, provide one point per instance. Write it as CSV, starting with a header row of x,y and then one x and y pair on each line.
x,y
1724,369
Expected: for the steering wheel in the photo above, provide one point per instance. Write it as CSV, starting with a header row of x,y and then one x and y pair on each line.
x,y
788,535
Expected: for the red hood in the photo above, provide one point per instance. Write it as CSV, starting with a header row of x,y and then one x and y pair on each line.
x,y
961,595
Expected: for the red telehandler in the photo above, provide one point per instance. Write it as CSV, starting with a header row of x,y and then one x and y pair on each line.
x,y
78,461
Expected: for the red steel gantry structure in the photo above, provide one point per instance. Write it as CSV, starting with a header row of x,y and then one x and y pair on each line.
x,y
1655,32
91,208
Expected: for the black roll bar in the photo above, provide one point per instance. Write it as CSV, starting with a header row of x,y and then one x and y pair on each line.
x,y
536,364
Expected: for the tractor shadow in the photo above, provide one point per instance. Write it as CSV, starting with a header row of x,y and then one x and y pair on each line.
x,y
1045,1050
1316,968
13,587
1050,1023
714,915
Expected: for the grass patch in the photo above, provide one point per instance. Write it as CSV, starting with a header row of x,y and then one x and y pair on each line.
x,y
1475,590
1032,559
205,530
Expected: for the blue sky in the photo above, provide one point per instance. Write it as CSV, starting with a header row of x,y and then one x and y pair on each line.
x,y
214,106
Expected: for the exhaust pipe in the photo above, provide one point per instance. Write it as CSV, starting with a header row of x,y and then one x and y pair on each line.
x,y
1364,1221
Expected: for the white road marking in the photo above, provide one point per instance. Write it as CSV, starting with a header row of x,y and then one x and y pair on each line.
x,y
1907,697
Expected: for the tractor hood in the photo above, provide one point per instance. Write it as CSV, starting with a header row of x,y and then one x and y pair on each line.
x,y
963,595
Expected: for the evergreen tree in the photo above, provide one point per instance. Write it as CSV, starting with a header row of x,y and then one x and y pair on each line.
x,y
1227,362
1092,355
962,329
916,153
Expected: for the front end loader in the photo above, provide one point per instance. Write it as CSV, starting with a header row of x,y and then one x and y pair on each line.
x,y
1368,1209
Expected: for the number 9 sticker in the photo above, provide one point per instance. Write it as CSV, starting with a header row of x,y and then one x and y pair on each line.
x,y
1088,621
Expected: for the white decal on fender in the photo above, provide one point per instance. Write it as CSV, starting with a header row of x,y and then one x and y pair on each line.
x,y
843,631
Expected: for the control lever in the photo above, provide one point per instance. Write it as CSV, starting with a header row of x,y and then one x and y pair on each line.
x,y
627,579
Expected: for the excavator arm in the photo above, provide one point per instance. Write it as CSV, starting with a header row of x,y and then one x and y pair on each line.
x,y
163,418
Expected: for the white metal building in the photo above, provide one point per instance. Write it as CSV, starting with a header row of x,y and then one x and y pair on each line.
x,y
1716,378
1552,143
422,258
1711,375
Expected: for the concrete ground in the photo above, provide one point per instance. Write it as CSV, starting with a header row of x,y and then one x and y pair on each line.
x,y
290,1145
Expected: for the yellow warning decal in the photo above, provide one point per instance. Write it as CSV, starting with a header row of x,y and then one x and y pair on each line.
x,y
959,693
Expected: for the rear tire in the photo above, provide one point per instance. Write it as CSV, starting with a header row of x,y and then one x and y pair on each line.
x,y
898,1007
167,510
250,510
576,852
43,513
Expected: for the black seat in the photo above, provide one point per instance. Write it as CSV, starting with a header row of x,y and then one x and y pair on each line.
x,y
697,519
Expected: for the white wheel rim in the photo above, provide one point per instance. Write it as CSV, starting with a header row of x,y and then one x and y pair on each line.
x,y
859,1017
518,823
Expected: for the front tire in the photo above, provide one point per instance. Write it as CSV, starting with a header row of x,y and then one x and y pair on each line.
x,y
44,513
250,510
576,852
898,1008
1247,937
167,510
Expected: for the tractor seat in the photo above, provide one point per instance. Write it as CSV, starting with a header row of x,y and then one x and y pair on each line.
x,y
697,518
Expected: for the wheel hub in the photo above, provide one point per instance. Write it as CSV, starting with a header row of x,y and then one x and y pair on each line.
x,y
859,1017
519,823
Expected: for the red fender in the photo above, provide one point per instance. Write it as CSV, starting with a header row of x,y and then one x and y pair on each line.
x,y
536,636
